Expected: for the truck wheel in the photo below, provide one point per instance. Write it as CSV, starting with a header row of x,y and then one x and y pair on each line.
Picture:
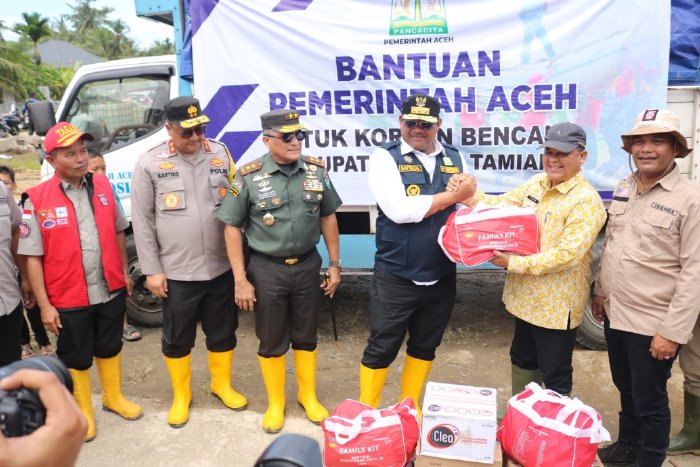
x,y
590,334
142,307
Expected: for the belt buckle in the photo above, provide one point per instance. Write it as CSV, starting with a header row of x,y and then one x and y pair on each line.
x,y
291,261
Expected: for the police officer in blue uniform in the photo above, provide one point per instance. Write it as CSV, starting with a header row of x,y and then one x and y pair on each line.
x,y
414,283
285,201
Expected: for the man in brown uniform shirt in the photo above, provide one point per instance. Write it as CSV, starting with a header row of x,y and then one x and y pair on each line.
x,y
647,289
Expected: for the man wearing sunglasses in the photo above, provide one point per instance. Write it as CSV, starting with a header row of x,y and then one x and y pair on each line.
x,y
178,187
285,201
414,284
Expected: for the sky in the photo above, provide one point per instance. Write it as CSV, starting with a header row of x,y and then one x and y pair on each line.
x,y
143,31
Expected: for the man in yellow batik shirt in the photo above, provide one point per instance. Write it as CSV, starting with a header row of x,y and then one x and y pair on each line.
x,y
547,292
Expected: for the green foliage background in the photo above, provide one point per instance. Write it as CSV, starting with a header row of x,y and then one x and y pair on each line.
x,y
85,26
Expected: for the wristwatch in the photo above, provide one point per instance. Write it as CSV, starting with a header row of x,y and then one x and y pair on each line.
x,y
335,263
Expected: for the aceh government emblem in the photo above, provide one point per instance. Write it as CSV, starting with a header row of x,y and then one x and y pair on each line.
x,y
410,17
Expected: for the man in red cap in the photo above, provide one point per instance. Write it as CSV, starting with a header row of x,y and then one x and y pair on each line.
x,y
72,233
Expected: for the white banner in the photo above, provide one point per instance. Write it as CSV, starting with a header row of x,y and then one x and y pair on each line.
x,y
503,71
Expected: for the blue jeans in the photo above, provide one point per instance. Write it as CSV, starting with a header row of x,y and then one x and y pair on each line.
x,y
645,417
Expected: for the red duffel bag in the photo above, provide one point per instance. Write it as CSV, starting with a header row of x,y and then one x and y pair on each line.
x,y
543,428
357,434
470,235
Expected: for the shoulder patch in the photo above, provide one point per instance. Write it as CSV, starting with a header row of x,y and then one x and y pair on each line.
x,y
250,168
315,161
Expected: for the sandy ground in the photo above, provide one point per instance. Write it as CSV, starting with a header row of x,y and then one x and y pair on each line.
x,y
474,352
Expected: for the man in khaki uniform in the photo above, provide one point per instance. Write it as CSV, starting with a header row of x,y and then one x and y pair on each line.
x,y
647,289
10,296
178,187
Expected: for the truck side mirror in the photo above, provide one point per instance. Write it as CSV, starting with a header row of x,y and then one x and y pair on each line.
x,y
42,116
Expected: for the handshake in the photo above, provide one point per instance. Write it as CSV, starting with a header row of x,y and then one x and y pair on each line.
x,y
464,185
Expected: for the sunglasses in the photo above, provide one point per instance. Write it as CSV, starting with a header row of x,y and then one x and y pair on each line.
x,y
199,131
420,124
300,135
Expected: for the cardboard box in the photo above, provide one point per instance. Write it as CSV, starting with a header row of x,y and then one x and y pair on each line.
x,y
459,422
430,461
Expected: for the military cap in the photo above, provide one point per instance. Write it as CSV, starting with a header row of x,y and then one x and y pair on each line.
x,y
421,107
282,120
186,111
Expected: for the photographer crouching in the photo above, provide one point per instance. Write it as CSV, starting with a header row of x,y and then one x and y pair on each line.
x,y
40,422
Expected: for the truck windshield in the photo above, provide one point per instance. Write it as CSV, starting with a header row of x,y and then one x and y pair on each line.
x,y
118,112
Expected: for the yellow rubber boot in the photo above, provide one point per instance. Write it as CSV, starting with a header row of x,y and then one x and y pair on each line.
x,y
272,369
180,375
220,369
371,385
83,396
113,400
415,373
305,367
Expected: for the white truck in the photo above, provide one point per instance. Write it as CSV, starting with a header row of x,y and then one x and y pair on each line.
x,y
124,101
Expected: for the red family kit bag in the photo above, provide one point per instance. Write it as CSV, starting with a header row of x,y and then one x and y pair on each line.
x,y
543,428
471,234
357,434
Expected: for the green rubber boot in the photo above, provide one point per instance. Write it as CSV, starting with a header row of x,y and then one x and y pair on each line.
x,y
687,441
520,377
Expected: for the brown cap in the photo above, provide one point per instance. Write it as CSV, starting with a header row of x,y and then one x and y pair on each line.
x,y
653,121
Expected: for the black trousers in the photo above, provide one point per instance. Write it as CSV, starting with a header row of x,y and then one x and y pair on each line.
x,y
645,417
34,316
94,331
547,350
10,330
210,302
288,302
398,306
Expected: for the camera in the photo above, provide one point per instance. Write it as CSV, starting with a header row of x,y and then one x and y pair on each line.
x,y
291,450
21,410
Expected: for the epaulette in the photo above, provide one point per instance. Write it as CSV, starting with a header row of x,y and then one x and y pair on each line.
x,y
206,146
315,161
250,167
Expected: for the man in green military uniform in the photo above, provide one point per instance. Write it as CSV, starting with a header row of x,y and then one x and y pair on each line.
x,y
282,199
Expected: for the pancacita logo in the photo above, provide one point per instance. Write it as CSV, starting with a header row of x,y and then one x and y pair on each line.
x,y
411,17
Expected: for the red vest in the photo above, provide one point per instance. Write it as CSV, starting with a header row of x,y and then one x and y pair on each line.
x,y
64,276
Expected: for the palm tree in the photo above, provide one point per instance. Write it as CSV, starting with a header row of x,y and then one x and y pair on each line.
x,y
165,47
35,28
15,66
87,18
62,29
121,41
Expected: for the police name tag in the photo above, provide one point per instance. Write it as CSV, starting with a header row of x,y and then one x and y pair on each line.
x,y
312,184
